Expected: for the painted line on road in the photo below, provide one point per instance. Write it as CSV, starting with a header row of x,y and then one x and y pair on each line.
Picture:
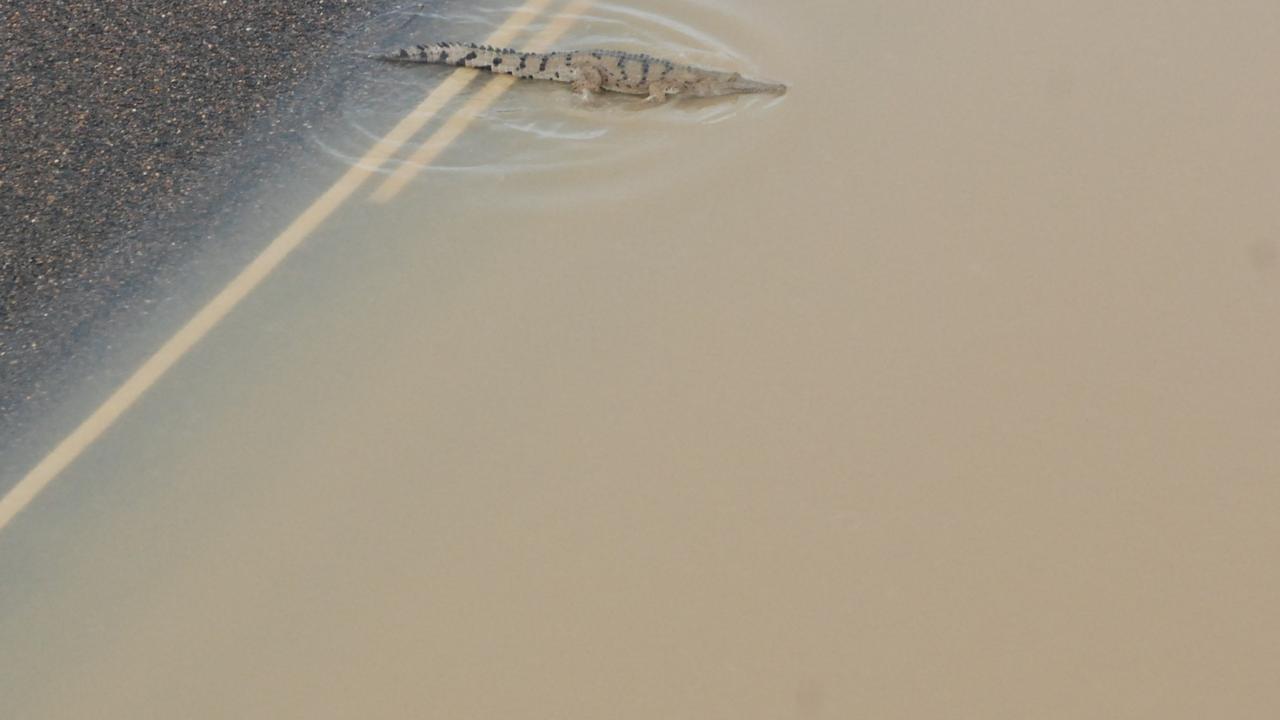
x,y
72,446
483,98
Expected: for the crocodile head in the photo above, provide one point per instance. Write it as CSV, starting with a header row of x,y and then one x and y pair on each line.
x,y
739,84
732,83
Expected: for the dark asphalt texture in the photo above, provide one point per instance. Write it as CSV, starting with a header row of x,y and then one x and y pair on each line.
x,y
122,126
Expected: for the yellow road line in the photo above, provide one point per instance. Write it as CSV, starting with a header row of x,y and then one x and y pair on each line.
x,y
458,122
39,477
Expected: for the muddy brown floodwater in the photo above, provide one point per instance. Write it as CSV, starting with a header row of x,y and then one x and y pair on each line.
x,y
945,385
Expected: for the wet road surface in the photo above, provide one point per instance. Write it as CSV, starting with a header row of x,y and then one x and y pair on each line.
x,y
125,139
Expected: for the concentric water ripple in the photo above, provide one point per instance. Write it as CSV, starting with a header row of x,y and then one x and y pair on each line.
x,y
538,130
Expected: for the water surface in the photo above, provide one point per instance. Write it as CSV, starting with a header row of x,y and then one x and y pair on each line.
x,y
943,386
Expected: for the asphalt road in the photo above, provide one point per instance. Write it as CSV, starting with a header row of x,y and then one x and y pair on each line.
x,y
124,128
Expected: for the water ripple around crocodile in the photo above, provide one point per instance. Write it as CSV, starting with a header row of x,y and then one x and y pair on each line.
x,y
538,130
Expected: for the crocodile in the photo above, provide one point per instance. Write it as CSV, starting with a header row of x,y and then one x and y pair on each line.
x,y
589,71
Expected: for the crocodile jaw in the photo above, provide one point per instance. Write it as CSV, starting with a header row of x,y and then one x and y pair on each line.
x,y
715,84
744,85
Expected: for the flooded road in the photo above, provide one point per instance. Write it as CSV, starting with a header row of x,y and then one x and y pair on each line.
x,y
942,386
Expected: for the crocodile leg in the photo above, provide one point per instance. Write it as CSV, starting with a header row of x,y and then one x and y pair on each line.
x,y
658,92
588,81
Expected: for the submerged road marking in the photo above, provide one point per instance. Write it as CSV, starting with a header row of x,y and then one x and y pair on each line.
x,y
66,452
458,122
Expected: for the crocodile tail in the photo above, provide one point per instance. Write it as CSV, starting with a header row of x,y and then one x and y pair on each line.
x,y
483,57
